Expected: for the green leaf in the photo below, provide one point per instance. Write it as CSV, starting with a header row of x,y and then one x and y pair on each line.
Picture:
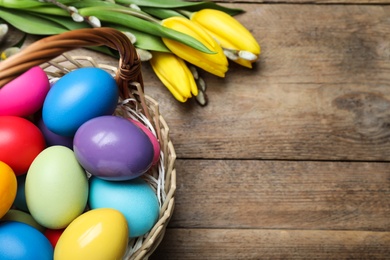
x,y
29,23
158,3
50,10
21,4
113,16
212,5
65,22
161,13
93,3
178,4
144,41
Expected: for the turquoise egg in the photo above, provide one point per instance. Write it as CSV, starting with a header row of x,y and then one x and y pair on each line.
x,y
135,199
56,187
78,96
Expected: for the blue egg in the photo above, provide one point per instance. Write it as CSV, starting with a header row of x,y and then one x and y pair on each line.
x,y
78,96
135,199
23,242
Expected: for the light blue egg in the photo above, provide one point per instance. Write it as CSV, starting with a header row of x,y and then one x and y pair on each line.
x,y
23,242
78,96
135,199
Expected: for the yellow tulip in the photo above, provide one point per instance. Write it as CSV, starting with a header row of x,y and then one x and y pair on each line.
x,y
230,33
216,63
174,74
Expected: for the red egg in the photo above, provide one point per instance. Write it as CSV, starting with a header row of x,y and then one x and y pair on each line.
x,y
53,235
20,142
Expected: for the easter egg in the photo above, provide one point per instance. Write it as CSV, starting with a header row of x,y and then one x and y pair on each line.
x,y
96,234
53,235
153,139
25,94
20,141
53,138
20,216
56,187
8,187
78,96
113,148
135,199
23,242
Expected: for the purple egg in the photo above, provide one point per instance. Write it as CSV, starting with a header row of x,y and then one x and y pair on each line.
x,y
113,148
53,138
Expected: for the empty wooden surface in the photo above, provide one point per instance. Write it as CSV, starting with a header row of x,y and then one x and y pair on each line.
x,y
290,160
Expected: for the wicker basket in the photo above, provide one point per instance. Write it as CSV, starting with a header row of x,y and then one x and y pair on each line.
x,y
50,54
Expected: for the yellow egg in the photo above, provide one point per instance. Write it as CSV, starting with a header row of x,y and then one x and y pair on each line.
x,y
96,234
8,186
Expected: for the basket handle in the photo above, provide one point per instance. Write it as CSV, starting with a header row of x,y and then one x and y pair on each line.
x,y
46,49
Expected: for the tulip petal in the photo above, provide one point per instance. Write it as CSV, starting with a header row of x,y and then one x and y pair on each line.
x,y
244,63
216,64
174,74
227,30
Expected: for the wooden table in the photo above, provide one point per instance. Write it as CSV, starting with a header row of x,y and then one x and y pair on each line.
x,y
289,160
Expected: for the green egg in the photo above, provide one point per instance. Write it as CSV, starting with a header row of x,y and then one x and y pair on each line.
x,y
56,187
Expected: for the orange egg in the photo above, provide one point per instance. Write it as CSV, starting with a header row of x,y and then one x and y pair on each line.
x,y
8,187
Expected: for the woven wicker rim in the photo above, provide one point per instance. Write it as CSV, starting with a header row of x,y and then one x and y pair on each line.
x,y
50,54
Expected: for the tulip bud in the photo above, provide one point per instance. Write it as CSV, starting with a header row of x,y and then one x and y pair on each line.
x,y
230,34
214,63
174,74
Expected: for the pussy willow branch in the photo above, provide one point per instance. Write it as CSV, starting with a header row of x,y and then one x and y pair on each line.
x,y
73,11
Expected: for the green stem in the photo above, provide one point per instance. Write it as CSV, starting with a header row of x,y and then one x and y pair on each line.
x,y
137,14
70,11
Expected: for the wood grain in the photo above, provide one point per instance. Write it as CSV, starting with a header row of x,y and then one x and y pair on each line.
x,y
272,244
282,195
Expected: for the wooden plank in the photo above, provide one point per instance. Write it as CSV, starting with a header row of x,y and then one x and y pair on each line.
x,y
272,244
282,195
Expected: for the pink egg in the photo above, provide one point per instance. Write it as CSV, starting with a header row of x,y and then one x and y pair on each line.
x,y
25,94
153,139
